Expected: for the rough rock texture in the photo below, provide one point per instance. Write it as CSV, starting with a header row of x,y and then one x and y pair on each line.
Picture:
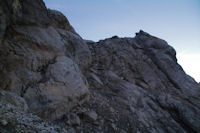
x,y
14,117
22,12
59,20
49,74
143,84
36,62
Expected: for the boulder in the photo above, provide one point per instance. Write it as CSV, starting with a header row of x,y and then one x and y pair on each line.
x,y
90,115
74,120
63,89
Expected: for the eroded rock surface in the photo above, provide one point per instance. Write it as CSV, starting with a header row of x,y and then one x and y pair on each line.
x,y
36,63
14,117
49,74
143,84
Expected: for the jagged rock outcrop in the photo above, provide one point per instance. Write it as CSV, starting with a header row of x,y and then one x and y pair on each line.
x,y
36,61
125,85
141,78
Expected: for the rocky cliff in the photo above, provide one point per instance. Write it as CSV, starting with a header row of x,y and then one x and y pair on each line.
x,y
51,80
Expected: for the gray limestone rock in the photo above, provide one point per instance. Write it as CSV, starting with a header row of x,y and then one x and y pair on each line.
x,y
63,89
144,83
58,20
135,84
36,61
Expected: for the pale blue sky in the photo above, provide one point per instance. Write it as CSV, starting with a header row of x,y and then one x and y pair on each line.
x,y
176,21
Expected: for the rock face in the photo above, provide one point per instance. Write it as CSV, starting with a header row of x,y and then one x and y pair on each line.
x,y
26,12
37,62
145,86
125,85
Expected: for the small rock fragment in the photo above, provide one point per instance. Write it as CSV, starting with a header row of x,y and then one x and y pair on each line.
x,y
74,120
91,115
4,122
96,78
